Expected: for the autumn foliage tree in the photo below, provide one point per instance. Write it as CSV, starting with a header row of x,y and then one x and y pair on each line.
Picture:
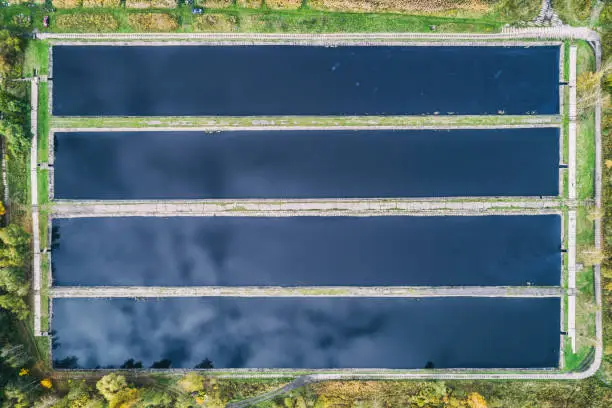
x,y
13,284
587,86
10,49
110,385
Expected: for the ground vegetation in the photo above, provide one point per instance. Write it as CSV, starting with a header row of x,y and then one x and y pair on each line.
x,y
140,4
249,3
96,22
273,15
284,4
153,22
101,3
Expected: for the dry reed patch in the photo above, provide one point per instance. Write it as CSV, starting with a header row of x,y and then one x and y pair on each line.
x,y
67,3
85,22
215,23
249,3
145,4
411,6
101,3
218,3
152,22
284,4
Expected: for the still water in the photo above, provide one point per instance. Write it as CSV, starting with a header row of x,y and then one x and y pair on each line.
x,y
307,164
305,251
304,80
308,332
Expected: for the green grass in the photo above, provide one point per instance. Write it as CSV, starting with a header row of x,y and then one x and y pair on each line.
x,y
585,309
585,156
565,121
566,67
585,304
44,294
43,219
43,122
585,230
585,173
233,121
574,362
585,143
585,59
43,187
44,349
36,56
314,21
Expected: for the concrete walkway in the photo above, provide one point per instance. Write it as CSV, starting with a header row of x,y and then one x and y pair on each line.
x,y
305,207
306,291
508,33
36,273
571,221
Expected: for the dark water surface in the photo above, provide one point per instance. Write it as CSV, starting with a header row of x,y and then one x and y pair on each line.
x,y
304,80
307,164
303,251
310,332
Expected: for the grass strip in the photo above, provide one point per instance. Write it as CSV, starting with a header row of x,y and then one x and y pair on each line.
x,y
43,122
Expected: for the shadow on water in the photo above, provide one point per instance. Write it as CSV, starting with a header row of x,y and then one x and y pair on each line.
x,y
72,362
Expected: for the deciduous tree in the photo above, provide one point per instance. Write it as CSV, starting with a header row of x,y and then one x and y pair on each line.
x,y
110,385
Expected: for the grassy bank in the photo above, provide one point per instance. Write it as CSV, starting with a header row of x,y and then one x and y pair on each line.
x,y
237,19
585,178
585,157
585,138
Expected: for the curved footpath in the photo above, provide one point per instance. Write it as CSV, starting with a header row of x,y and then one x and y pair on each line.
x,y
512,35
